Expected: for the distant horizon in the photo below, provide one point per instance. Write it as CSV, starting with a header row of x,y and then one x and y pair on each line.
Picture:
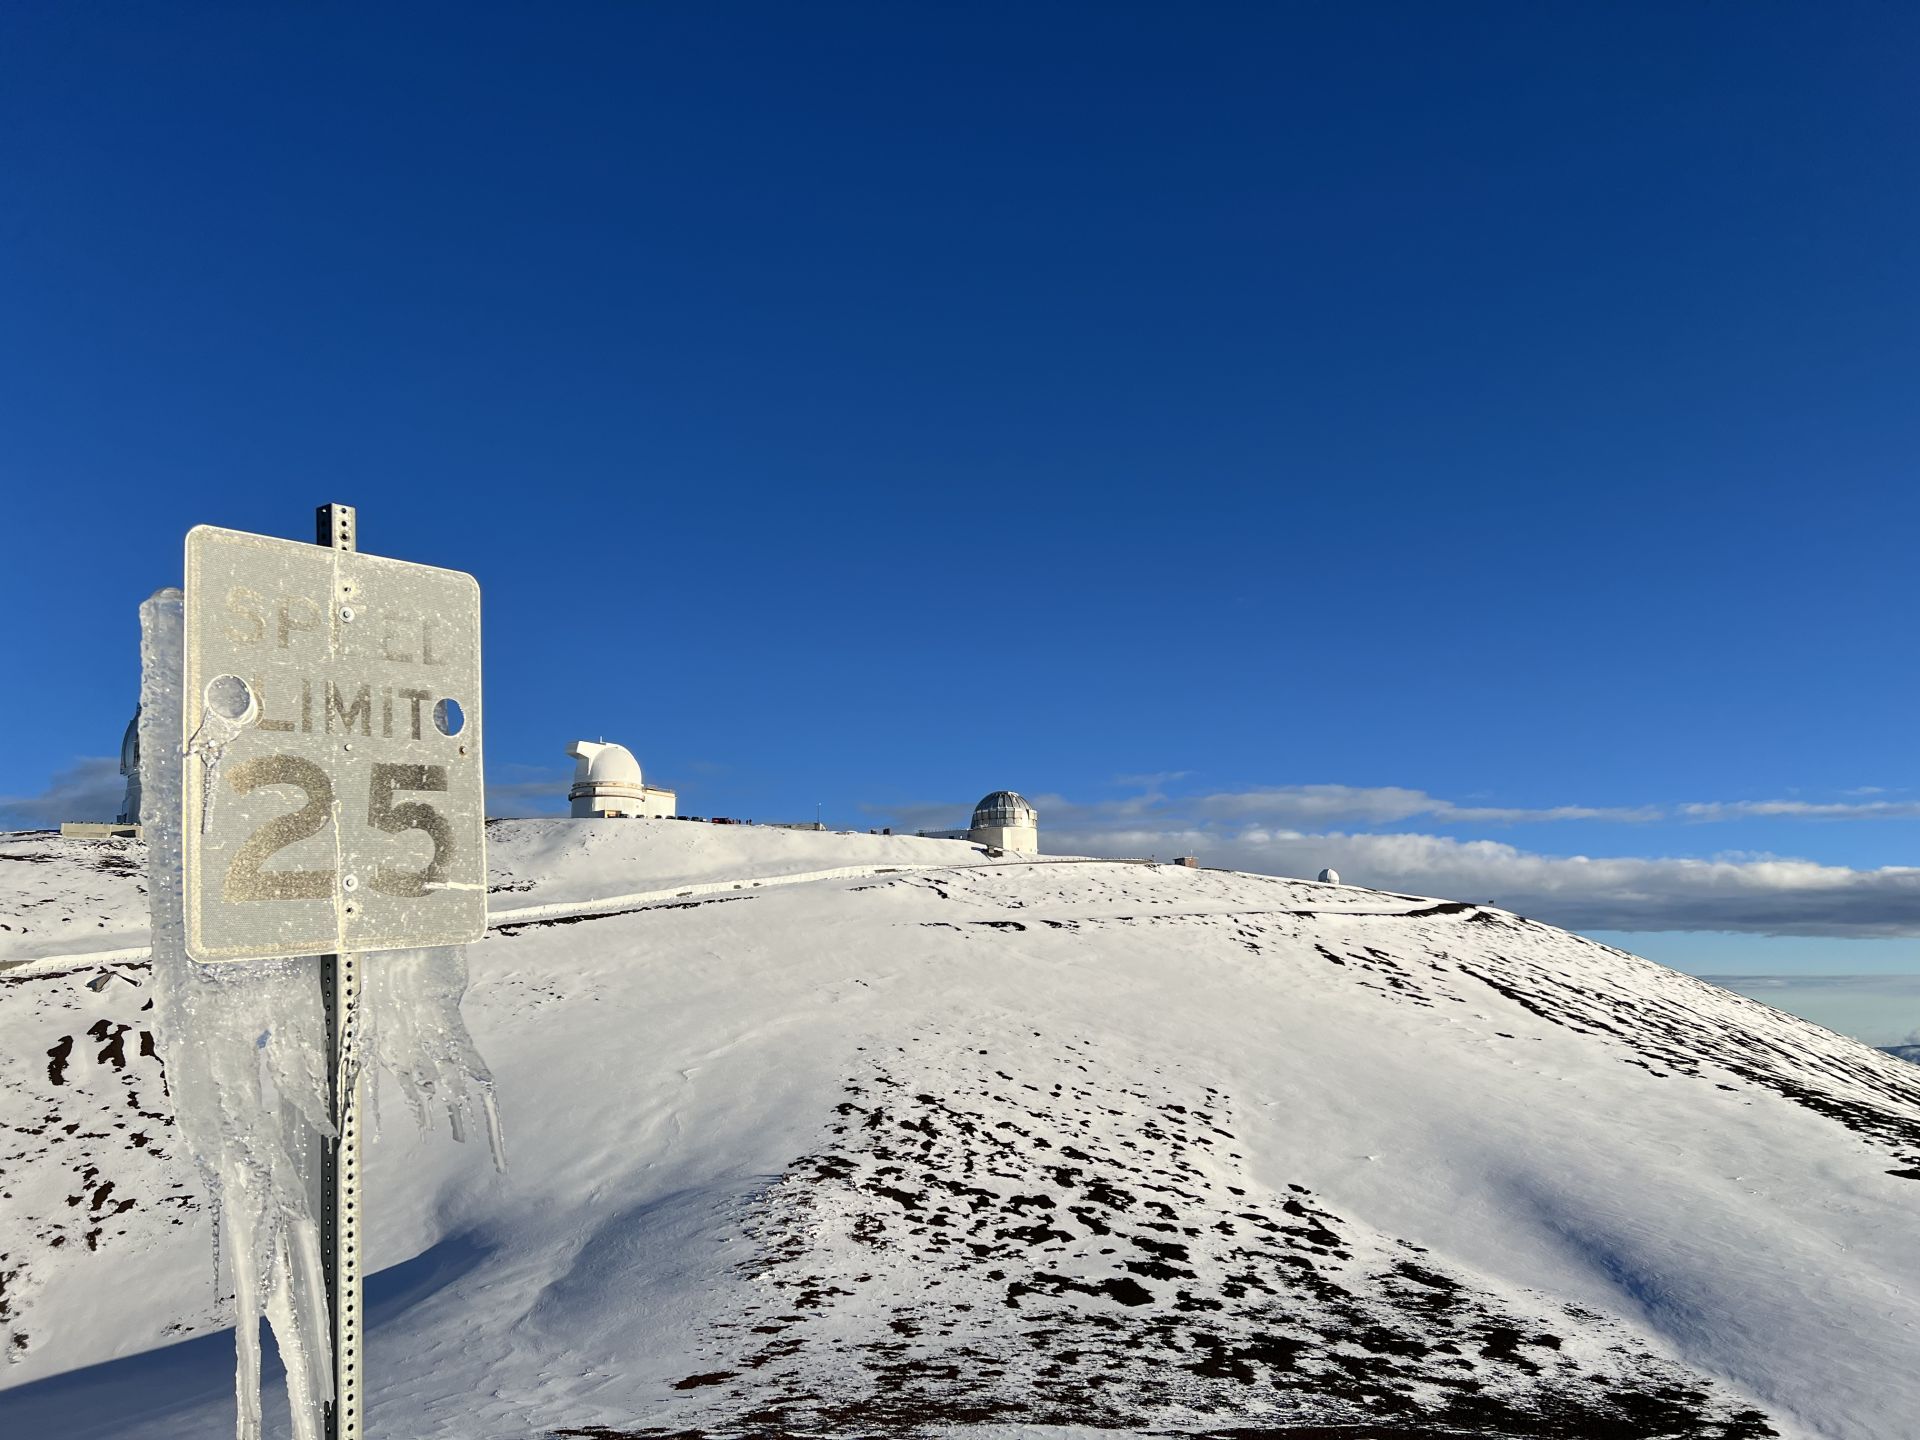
x,y
1880,1007
1883,1010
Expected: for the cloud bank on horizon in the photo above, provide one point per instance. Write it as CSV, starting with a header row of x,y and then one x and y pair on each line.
x,y
1765,895
89,789
1298,829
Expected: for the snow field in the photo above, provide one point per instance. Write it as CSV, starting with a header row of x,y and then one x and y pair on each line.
x,y
1488,1132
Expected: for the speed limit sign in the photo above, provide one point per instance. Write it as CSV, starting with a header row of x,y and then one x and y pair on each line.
x,y
333,790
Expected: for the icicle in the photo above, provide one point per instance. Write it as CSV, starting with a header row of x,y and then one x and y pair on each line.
x,y
302,1379
246,1334
414,1032
210,741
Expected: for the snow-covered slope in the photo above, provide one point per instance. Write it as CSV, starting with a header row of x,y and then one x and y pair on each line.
x,y
58,896
997,1147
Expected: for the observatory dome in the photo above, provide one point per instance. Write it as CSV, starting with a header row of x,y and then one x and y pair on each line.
x,y
604,764
1330,876
607,781
1004,807
1005,821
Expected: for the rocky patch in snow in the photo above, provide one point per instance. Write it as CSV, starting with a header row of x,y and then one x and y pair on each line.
x,y
1657,1018
986,1237
86,1136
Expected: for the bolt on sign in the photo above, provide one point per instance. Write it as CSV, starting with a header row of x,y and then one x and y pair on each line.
x,y
333,794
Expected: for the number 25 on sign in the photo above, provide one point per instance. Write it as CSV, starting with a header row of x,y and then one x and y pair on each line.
x,y
334,791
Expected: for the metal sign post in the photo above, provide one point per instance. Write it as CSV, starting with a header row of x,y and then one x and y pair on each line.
x,y
332,701
340,1159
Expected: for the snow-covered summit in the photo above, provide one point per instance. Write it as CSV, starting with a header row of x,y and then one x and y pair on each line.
x,y
933,1142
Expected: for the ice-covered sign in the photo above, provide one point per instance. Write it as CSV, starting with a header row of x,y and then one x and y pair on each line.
x,y
333,792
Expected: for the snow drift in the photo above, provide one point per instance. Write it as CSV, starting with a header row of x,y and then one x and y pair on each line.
x,y
1002,1149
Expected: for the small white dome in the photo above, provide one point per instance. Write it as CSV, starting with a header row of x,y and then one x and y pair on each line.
x,y
1330,876
601,764
1004,808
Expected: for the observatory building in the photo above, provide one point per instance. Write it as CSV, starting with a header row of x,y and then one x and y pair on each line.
x,y
1002,821
607,782
1005,821
130,769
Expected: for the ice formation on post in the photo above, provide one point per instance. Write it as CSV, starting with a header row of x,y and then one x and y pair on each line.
x,y
246,1069
245,1050
412,1027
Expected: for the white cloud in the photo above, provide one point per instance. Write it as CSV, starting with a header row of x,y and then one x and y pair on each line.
x,y
1298,829
1761,895
1159,780
1282,805
90,789
1302,805
1387,804
538,790
1801,810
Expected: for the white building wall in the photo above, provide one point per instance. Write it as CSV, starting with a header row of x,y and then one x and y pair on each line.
x,y
642,802
1015,839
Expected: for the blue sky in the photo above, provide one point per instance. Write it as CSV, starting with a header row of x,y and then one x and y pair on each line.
x,y
1443,441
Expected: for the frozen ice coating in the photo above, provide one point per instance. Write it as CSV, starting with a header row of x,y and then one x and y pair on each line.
x,y
244,1047
411,1024
246,1070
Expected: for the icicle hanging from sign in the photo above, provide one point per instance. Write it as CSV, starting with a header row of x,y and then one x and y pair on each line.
x,y
245,1055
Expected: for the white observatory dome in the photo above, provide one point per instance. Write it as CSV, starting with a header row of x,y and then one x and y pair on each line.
x,y
604,764
1005,821
607,781
1329,876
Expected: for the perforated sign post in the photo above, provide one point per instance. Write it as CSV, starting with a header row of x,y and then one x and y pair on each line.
x,y
333,798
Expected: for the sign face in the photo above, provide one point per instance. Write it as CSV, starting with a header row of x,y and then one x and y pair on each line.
x,y
333,799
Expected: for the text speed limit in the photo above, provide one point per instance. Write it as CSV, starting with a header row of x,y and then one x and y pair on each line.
x,y
334,791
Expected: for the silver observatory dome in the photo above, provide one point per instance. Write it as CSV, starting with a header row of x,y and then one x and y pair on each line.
x,y
1003,808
